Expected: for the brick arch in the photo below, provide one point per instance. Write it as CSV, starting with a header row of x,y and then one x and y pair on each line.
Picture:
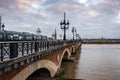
x,y
47,64
72,50
65,51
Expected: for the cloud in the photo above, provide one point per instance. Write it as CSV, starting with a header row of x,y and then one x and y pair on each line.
x,y
61,7
83,1
7,4
88,16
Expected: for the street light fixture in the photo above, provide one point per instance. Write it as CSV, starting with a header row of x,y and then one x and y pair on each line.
x,y
64,25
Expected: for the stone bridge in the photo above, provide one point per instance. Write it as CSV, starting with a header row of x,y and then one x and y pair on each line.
x,y
23,67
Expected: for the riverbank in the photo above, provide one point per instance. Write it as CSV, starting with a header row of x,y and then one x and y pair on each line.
x,y
100,41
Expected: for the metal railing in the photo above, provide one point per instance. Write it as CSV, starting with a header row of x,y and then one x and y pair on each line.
x,y
10,50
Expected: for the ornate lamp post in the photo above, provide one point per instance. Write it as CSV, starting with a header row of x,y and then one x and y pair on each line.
x,y
64,25
73,31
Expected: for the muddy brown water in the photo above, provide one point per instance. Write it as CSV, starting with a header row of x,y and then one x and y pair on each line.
x,y
95,62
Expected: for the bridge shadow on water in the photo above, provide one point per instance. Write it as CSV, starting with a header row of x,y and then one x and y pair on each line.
x,y
40,74
43,74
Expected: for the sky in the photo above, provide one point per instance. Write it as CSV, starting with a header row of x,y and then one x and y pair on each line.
x,y
91,18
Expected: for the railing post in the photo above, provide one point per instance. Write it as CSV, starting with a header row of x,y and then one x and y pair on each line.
x,y
54,44
47,44
40,46
13,50
36,46
27,47
43,45
1,54
51,44
22,49
31,47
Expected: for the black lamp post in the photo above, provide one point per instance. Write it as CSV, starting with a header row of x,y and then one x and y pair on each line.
x,y
73,31
64,25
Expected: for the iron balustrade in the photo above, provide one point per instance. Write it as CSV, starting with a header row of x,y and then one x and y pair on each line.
x,y
10,50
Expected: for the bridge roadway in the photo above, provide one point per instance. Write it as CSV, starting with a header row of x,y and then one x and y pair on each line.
x,y
21,60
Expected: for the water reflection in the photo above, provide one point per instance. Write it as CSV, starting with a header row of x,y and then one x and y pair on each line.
x,y
70,67
95,62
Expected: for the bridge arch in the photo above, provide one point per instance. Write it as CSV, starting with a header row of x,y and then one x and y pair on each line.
x,y
42,72
47,64
65,54
72,50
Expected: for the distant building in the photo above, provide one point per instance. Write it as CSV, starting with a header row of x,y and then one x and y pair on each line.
x,y
54,35
2,26
0,22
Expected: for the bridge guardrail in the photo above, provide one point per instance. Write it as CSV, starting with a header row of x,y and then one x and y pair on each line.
x,y
10,50
27,52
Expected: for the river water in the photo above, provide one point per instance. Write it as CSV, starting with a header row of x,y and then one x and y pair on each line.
x,y
95,62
